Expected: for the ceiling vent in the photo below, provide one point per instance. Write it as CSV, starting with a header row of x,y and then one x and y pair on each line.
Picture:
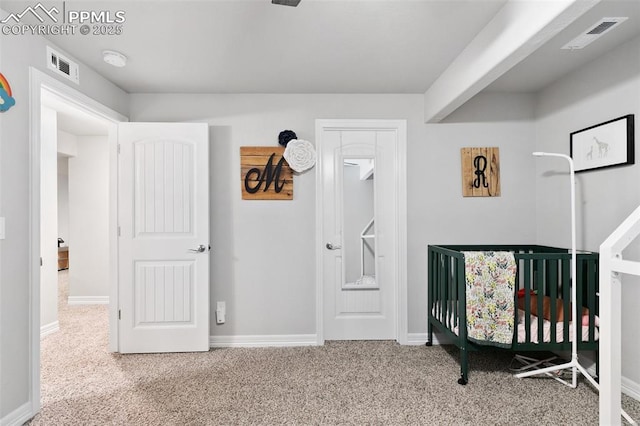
x,y
293,3
594,32
62,65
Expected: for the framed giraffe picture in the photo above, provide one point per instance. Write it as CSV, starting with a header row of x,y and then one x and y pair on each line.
x,y
608,144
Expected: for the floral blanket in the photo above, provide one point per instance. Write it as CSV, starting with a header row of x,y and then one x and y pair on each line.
x,y
490,280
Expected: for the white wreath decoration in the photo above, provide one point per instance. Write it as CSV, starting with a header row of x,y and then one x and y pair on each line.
x,y
300,154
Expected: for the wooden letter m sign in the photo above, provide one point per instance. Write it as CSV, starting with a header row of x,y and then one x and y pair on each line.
x,y
265,175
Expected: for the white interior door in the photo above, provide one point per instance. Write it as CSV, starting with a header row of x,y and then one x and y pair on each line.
x,y
163,215
359,295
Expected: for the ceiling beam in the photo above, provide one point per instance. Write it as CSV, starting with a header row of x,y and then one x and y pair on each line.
x,y
516,31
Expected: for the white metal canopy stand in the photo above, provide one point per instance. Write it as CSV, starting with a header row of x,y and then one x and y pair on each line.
x,y
574,365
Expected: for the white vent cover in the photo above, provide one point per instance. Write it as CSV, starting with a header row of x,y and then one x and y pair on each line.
x,y
594,32
62,65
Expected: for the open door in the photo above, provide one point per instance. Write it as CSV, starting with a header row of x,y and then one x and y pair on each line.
x,y
163,244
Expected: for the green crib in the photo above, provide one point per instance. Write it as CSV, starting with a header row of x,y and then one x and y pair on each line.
x,y
541,270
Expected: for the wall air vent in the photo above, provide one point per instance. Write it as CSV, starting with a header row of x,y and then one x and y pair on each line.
x,y
62,65
594,32
293,3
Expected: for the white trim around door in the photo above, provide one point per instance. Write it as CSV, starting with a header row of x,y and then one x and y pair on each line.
x,y
39,81
400,275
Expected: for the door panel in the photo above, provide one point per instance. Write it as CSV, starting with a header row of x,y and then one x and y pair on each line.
x,y
361,310
163,187
163,293
163,214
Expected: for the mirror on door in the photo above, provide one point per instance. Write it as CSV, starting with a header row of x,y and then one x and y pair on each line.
x,y
359,228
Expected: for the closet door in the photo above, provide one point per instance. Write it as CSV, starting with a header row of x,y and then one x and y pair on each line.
x,y
359,250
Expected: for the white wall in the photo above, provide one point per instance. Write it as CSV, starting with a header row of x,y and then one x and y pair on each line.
x,y
605,89
67,147
63,199
438,214
263,252
49,220
17,54
67,144
89,221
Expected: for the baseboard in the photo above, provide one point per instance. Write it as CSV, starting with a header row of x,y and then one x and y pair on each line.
x,y
246,341
48,329
631,388
88,300
628,386
258,341
18,416
421,339
416,339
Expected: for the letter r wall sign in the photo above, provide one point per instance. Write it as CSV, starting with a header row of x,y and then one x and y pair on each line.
x,y
480,172
265,174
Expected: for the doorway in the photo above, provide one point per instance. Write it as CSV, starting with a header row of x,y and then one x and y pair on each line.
x,y
39,84
361,230
74,206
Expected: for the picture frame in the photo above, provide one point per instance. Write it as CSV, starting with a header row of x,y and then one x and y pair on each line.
x,y
608,144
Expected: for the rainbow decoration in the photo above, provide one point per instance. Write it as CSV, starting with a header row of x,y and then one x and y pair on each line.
x,y
4,84
6,99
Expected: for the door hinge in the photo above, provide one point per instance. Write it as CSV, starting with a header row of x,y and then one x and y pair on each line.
x,y
40,261
118,148
119,231
119,314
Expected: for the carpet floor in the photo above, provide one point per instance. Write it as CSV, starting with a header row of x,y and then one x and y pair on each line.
x,y
354,382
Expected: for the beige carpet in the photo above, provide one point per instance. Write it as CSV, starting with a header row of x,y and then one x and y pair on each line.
x,y
340,383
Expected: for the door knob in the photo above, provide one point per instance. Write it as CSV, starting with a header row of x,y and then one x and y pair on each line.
x,y
332,246
201,249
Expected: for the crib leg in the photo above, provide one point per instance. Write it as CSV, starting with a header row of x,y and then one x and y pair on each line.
x,y
429,334
597,366
464,366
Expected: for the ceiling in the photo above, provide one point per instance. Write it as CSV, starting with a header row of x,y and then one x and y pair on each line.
x,y
550,62
253,46
321,46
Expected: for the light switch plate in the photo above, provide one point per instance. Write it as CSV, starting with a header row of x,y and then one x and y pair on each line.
x,y
2,229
